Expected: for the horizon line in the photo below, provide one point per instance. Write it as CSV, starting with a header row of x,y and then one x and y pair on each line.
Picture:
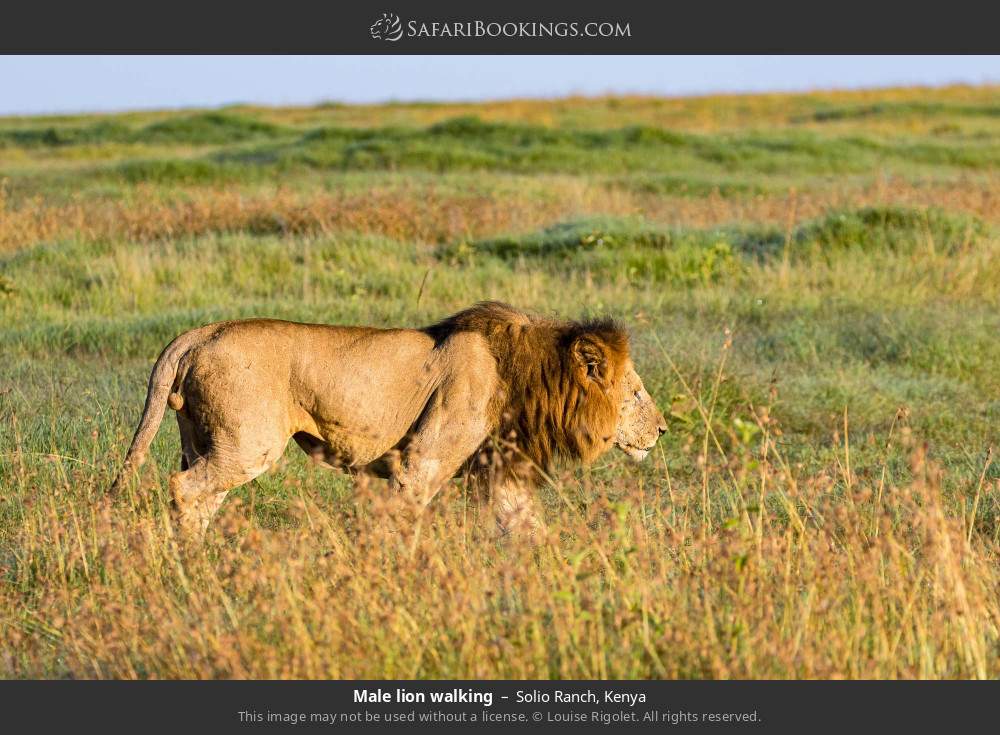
x,y
557,97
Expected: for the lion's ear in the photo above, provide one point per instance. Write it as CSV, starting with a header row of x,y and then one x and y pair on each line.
x,y
590,356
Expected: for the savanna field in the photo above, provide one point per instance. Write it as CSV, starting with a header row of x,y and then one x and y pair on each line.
x,y
812,283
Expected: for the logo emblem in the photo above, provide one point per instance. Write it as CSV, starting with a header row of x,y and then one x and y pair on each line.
x,y
387,28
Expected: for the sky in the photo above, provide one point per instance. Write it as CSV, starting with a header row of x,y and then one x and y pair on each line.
x,y
53,84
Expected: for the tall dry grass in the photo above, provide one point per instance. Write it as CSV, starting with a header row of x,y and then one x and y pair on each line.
x,y
744,567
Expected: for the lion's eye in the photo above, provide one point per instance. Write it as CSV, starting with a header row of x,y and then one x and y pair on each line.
x,y
638,395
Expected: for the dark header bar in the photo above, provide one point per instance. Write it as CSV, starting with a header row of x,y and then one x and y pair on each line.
x,y
510,27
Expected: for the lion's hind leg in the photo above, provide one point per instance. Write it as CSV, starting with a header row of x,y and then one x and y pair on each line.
x,y
198,492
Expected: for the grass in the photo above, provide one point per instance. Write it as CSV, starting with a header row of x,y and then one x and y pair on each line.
x,y
812,283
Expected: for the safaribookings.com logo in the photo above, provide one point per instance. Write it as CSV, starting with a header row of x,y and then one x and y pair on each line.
x,y
387,28
390,28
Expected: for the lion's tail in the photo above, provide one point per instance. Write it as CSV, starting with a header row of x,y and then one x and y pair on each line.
x,y
158,395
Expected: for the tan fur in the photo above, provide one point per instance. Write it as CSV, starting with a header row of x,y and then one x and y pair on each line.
x,y
491,393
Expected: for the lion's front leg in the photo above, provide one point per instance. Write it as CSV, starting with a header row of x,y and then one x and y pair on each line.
x,y
453,424
432,458
504,482
514,509
452,428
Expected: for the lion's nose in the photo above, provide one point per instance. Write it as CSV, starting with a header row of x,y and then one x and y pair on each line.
x,y
661,426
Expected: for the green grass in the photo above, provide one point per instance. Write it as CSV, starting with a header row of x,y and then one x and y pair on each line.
x,y
833,258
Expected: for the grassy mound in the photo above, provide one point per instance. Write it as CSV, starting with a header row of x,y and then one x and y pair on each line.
x,y
890,228
207,128
867,228
53,136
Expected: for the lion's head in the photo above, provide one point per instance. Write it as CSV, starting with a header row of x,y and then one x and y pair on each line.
x,y
569,388
616,402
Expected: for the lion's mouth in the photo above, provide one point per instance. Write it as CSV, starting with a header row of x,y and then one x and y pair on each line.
x,y
636,454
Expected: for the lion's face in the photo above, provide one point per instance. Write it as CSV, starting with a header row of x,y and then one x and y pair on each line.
x,y
640,422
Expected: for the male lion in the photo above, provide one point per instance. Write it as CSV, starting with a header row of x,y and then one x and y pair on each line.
x,y
490,392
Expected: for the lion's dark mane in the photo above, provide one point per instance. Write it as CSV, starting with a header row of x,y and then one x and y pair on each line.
x,y
547,407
